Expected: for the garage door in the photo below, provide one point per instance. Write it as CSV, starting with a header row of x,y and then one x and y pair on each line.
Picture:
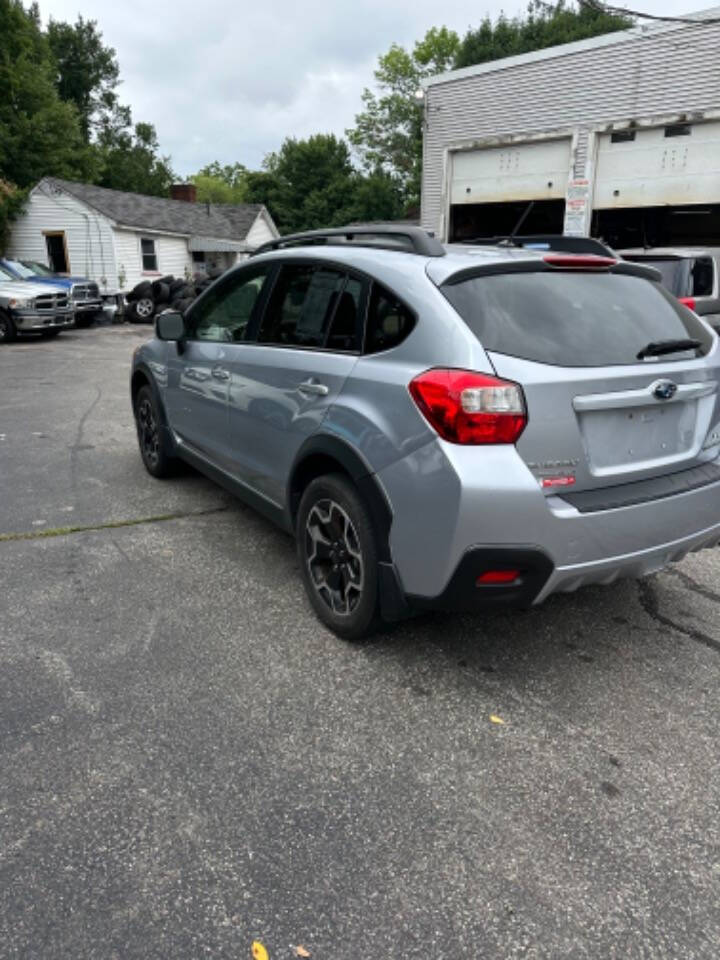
x,y
528,171
674,165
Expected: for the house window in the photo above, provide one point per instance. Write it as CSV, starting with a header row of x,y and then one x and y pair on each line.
x,y
149,257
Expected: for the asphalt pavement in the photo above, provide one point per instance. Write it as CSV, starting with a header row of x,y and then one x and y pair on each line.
x,y
189,762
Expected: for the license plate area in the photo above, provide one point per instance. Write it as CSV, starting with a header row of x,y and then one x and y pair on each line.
x,y
638,437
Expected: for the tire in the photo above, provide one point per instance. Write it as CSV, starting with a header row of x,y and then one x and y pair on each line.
x,y
182,304
8,332
130,296
168,279
338,557
83,320
177,285
157,459
142,310
160,292
49,334
142,289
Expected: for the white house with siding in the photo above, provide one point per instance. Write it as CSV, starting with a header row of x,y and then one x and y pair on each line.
x,y
616,136
119,239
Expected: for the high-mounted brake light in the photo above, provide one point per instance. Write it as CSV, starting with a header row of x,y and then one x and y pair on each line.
x,y
688,302
586,261
470,408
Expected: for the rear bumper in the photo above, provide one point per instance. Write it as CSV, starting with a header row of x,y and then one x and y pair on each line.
x,y
450,501
569,578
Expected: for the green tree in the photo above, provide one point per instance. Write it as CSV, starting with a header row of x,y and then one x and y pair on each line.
x,y
39,133
544,25
12,201
388,132
129,157
310,184
216,183
87,70
305,184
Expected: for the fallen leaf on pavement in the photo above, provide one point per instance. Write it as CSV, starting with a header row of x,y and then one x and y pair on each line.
x,y
494,719
258,951
302,952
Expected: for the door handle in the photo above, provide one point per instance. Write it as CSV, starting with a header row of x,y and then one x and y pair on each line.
x,y
312,388
220,373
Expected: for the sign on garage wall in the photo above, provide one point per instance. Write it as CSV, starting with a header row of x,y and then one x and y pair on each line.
x,y
577,208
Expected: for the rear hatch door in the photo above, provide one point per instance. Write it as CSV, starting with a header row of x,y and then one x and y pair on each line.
x,y
598,415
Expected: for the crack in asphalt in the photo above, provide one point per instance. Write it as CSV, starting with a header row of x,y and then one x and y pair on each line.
x,y
108,525
694,586
649,603
79,437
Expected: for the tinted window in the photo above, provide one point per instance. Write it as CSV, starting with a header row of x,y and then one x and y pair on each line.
x,y
149,258
703,275
389,321
346,328
675,273
224,314
569,319
301,306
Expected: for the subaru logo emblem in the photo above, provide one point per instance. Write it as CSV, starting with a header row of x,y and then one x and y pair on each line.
x,y
665,390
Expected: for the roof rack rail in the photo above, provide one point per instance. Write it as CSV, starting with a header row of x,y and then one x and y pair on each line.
x,y
398,237
547,241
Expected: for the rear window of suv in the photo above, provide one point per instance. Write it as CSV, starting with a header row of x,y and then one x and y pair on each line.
x,y
572,319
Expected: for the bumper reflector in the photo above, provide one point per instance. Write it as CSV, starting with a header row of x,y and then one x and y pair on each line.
x,y
497,577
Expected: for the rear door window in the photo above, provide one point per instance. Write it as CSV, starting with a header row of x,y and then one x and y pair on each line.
x,y
573,319
302,306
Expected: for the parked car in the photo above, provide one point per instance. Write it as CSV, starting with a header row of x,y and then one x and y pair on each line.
x,y
443,427
690,273
83,294
31,308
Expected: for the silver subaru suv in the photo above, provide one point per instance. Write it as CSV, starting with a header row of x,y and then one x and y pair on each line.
x,y
439,426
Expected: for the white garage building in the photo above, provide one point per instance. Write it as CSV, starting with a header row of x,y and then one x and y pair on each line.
x,y
617,136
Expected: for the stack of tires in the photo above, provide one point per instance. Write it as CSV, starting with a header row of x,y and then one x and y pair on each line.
x,y
168,293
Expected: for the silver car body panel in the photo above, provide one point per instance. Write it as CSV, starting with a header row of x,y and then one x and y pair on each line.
x,y
240,406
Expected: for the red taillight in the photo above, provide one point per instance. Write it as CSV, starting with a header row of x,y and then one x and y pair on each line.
x,y
576,261
688,302
497,577
470,408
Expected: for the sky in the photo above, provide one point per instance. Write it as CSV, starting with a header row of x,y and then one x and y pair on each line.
x,y
228,81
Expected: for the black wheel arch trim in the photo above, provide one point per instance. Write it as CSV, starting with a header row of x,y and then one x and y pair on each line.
x,y
333,448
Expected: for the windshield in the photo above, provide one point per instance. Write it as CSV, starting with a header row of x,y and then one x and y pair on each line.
x,y
574,319
39,269
6,275
21,270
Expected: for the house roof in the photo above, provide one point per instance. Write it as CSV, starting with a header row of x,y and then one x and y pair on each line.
x,y
219,220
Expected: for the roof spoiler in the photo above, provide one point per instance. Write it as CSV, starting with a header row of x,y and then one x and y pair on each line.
x,y
400,238
548,241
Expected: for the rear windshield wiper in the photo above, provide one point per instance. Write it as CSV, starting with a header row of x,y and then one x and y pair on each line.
x,y
660,347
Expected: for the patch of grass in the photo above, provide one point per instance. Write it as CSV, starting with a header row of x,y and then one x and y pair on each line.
x,y
109,525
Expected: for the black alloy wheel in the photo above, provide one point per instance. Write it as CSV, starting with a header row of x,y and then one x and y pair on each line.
x,y
338,556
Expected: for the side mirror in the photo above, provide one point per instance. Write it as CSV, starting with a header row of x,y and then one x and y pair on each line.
x,y
170,325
